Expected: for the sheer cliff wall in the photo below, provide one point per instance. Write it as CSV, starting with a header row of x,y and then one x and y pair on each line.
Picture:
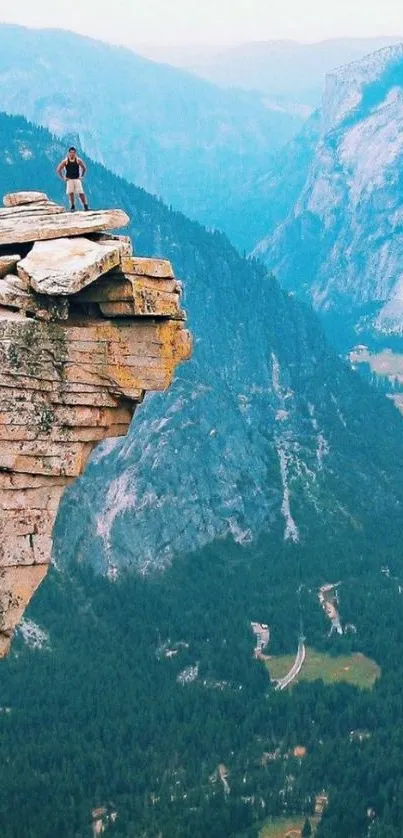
x,y
86,330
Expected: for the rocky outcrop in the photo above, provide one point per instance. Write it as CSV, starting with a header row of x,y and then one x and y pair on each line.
x,y
41,220
85,331
16,199
65,266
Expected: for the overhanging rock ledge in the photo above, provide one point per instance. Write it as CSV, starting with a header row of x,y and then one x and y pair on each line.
x,y
86,330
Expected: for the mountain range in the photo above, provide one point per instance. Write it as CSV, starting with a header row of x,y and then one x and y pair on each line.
x,y
269,468
178,136
255,429
291,74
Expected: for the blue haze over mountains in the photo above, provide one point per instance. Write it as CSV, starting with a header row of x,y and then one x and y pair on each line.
x,y
217,153
269,467
265,430
340,245
291,74
178,136
259,431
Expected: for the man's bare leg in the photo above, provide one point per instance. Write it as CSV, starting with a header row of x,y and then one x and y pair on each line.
x,y
70,196
83,200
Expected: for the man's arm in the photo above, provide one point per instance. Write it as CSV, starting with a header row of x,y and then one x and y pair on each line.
x,y
60,168
82,167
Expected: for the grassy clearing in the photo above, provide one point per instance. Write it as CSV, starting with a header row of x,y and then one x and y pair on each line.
x,y
283,828
352,669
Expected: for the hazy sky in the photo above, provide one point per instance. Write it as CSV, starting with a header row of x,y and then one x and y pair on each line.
x,y
210,21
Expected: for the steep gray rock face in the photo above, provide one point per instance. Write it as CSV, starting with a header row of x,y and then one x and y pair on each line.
x,y
69,376
266,431
342,243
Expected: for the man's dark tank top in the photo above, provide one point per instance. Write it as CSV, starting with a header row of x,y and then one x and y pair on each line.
x,y
72,170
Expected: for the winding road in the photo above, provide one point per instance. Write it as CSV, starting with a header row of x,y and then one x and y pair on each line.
x,y
282,683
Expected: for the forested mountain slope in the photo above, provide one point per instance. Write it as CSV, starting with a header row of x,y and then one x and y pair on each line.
x,y
268,470
265,430
137,692
175,134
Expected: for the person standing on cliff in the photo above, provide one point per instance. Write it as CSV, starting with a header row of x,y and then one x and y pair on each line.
x,y
72,169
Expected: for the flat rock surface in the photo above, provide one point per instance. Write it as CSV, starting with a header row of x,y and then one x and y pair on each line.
x,y
14,199
119,295
21,224
65,266
37,210
140,266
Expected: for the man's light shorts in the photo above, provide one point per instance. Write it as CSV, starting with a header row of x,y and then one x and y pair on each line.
x,y
74,187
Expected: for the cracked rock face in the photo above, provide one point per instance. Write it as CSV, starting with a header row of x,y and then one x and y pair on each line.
x,y
78,352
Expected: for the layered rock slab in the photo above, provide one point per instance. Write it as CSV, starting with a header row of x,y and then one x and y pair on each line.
x,y
65,266
16,199
128,295
70,375
155,268
15,295
40,222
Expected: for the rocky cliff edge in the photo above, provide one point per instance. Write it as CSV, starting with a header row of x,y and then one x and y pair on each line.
x,y
86,329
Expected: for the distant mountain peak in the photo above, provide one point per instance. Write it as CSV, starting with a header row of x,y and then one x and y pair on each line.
x,y
344,88
180,136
